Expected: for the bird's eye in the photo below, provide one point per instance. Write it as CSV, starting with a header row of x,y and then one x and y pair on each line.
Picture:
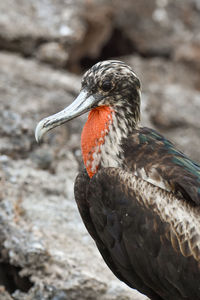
x,y
106,86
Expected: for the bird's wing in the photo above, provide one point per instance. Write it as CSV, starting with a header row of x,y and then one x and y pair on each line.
x,y
150,238
155,159
93,206
81,188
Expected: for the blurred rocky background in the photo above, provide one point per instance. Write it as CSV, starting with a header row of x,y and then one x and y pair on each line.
x,y
45,46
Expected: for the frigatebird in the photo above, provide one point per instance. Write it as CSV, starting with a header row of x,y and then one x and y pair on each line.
x,y
138,196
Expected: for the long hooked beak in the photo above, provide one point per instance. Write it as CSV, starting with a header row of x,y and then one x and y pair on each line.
x,y
81,104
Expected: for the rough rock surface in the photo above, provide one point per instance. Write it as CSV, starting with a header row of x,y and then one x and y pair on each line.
x,y
158,27
67,32
45,251
42,236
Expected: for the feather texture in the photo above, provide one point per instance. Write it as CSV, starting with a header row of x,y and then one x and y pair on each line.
x,y
155,159
143,233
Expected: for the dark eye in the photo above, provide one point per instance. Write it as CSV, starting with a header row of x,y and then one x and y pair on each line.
x,y
106,86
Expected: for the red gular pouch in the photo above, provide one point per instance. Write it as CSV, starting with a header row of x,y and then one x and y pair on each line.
x,y
93,136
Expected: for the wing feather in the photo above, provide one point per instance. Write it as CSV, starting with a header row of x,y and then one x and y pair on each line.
x,y
106,230
155,159
148,233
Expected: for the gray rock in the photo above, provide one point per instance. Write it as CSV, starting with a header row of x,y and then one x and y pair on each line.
x,y
52,53
43,240
67,32
30,23
158,27
44,246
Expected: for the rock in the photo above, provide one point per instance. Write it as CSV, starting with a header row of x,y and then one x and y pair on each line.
x,y
56,33
52,53
75,32
44,245
158,27
29,24
21,93
98,18
3,294
189,53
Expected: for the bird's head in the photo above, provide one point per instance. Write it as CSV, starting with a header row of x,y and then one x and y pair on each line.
x,y
110,84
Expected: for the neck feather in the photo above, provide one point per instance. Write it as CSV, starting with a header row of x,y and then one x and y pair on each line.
x,y
101,138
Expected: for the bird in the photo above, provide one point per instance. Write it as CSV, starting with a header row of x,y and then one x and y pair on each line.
x,y
138,195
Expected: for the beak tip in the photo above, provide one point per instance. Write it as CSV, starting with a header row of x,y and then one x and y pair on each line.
x,y
81,104
40,131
